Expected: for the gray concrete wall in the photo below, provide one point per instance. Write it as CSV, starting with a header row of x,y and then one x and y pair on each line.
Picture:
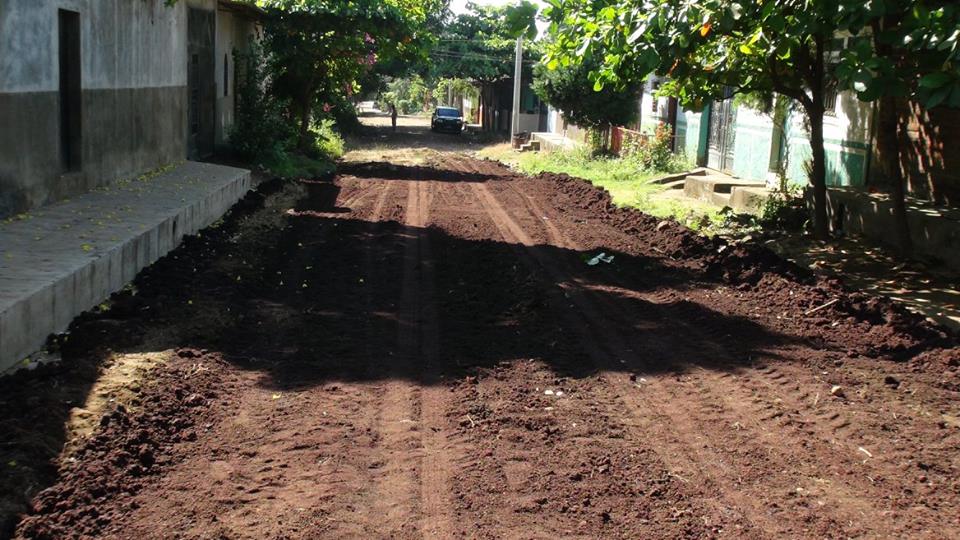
x,y
935,231
134,97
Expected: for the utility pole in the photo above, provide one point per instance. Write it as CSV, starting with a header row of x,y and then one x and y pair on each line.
x,y
517,73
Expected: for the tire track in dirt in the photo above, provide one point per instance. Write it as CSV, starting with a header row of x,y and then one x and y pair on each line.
x,y
413,485
775,401
678,440
435,467
396,488
846,493
419,344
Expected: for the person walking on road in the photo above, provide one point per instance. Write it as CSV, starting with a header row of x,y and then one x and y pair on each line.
x,y
393,116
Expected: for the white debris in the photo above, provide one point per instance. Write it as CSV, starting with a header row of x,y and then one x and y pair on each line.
x,y
602,257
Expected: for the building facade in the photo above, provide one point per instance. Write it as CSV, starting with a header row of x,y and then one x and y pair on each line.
x,y
93,91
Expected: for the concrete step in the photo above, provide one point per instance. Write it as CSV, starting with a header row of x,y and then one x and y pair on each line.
x,y
531,146
703,187
64,259
670,178
720,199
676,184
749,199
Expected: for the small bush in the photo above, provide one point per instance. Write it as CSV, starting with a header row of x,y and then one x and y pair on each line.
x,y
784,209
260,132
329,142
655,154
299,166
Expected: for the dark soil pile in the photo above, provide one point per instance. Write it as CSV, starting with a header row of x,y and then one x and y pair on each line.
x,y
893,329
127,450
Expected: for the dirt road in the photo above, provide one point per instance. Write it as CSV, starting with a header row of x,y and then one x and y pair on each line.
x,y
425,351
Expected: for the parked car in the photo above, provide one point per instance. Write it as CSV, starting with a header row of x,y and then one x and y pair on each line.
x,y
447,119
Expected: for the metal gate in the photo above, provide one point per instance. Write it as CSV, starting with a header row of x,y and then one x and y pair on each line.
x,y
201,83
720,146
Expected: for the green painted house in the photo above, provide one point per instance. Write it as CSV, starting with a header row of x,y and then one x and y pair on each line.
x,y
755,145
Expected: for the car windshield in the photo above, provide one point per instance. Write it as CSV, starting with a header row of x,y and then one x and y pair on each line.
x,y
448,113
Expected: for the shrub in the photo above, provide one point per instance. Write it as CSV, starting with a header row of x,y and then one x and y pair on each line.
x,y
329,142
260,132
784,209
655,154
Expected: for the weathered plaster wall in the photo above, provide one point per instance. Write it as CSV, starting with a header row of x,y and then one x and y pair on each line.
x,y
133,80
846,140
688,135
751,149
234,32
932,169
649,118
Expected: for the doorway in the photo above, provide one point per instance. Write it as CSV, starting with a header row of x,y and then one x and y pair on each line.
x,y
201,83
722,134
70,90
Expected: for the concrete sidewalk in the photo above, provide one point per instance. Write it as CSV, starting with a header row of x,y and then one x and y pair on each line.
x,y
61,260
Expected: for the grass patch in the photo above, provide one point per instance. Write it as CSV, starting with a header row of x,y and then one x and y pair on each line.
x,y
627,183
299,166
328,148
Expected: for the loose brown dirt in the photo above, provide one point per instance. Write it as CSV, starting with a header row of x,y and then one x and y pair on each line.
x,y
423,351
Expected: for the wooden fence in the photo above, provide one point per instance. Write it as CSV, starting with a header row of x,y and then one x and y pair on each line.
x,y
622,138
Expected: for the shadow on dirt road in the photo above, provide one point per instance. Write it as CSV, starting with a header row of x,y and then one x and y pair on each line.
x,y
436,351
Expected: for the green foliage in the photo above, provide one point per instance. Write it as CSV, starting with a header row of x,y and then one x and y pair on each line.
x,y
907,48
317,162
329,143
479,45
299,166
627,183
457,87
655,153
260,132
710,50
410,95
263,135
706,47
318,49
784,209
569,89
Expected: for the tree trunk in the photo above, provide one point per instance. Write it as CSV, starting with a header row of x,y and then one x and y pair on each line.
x,y
303,134
889,149
304,112
888,145
486,103
818,174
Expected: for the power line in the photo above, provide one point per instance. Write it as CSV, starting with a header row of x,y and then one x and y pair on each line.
x,y
476,56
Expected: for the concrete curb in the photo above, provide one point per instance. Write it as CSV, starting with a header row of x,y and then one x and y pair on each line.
x,y
71,256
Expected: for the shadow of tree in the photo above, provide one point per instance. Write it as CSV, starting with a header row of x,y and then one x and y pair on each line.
x,y
381,169
312,295
323,300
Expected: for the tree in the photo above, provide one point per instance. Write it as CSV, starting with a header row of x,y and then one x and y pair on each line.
x,y
319,48
409,94
570,90
452,91
908,49
479,46
710,49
